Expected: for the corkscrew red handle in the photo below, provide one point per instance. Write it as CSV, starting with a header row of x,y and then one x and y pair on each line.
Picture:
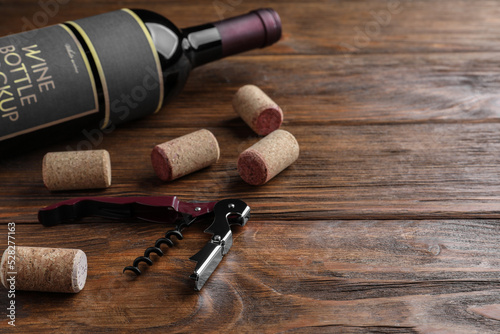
x,y
161,209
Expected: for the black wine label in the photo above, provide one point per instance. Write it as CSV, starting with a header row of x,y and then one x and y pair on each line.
x,y
127,62
45,79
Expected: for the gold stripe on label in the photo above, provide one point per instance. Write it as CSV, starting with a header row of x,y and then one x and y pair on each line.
x,y
46,125
100,70
87,64
155,53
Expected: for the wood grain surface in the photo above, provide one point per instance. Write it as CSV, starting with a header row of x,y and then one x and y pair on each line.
x,y
389,222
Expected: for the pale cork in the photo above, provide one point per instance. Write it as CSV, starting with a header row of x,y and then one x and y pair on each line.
x,y
268,157
44,269
77,170
184,155
257,109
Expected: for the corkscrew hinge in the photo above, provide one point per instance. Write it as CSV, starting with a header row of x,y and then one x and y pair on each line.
x,y
165,209
227,212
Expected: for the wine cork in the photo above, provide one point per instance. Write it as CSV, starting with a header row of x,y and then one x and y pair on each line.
x,y
261,113
184,155
44,269
77,170
268,157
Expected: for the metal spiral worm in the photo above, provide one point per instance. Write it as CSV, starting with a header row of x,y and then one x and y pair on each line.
x,y
156,248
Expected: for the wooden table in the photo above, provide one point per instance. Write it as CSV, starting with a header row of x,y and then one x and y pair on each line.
x,y
387,223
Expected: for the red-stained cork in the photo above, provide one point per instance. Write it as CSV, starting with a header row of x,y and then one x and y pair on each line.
x,y
268,157
257,109
185,155
44,269
77,170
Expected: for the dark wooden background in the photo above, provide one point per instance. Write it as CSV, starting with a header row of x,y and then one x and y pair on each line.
x,y
387,223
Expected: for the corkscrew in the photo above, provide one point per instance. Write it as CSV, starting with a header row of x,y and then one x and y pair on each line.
x,y
165,209
146,258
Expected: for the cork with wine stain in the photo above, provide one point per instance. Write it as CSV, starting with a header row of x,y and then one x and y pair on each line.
x,y
268,157
185,155
257,109
77,170
44,269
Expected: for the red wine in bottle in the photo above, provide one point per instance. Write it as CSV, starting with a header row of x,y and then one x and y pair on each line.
x,y
100,71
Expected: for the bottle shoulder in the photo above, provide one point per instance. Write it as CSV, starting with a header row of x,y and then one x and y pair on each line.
x,y
168,41
166,36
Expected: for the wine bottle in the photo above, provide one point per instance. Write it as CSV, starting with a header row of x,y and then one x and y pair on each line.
x,y
100,71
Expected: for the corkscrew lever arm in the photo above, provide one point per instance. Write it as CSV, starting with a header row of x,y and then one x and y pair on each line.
x,y
227,212
161,209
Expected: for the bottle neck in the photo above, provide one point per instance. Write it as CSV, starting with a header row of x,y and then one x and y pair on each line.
x,y
213,41
202,44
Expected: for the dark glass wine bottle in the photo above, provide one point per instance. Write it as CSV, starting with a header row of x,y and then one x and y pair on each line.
x,y
91,74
